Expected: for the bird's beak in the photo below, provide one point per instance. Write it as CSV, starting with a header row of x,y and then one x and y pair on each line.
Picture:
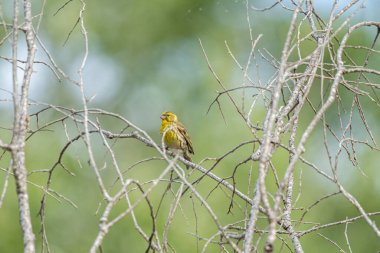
x,y
162,117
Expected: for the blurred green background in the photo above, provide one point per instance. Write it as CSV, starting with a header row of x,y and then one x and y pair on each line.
x,y
145,58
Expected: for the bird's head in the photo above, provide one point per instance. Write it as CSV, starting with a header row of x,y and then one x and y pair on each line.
x,y
168,117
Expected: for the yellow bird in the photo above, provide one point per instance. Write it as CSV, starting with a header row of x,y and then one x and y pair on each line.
x,y
175,135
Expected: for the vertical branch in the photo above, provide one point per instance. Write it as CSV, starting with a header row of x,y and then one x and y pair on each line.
x,y
289,194
252,220
14,63
270,135
20,125
87,139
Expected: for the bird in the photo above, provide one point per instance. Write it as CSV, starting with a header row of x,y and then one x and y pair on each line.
x,y
175,135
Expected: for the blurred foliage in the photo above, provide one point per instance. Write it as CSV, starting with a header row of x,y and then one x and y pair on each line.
x,y
145,58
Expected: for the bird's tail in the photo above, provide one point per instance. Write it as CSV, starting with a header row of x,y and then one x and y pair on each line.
x,y
187,157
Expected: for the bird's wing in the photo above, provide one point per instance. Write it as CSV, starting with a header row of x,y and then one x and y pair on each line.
x,y
185,135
